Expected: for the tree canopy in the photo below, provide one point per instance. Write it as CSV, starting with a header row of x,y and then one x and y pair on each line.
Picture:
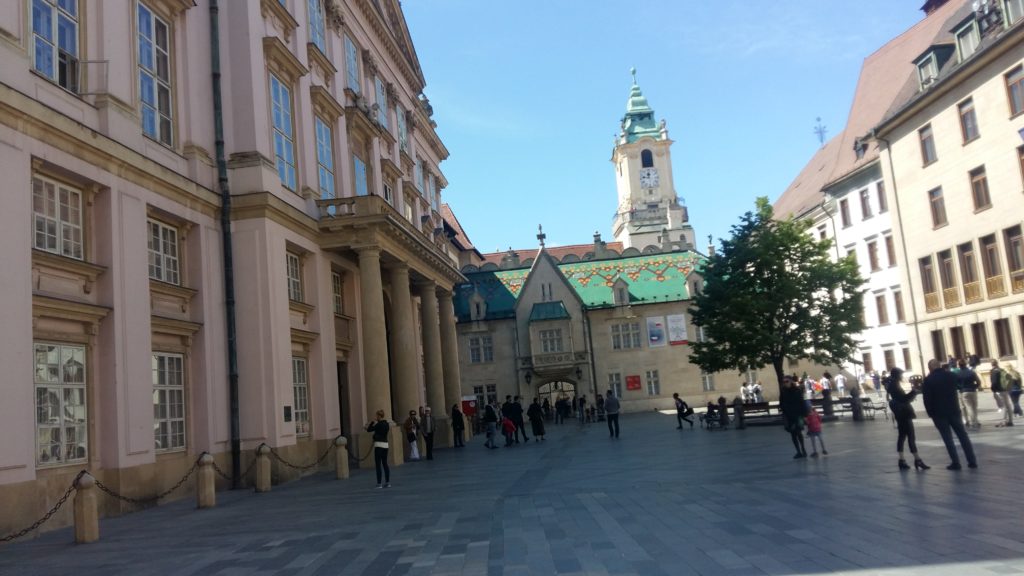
x,y
772,292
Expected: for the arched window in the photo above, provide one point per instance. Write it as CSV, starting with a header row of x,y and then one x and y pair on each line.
x,y
646,159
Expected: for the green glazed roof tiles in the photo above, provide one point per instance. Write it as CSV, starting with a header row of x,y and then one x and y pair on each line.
x,y
548,311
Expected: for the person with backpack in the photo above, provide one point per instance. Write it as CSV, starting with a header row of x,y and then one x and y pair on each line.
x,y
1002,393
1014,385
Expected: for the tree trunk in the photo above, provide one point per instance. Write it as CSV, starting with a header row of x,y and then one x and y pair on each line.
x,y
777,364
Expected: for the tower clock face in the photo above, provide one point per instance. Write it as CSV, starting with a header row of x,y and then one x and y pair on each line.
x,y
649,177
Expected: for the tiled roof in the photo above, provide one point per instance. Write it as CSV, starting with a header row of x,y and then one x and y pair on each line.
x,y
460,235
805,191
650,278
556,252
548,311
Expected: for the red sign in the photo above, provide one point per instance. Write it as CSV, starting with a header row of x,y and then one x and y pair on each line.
x,y
469,407
632,382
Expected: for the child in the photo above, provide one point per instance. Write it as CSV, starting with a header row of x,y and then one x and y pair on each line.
x,y
509,428
814,432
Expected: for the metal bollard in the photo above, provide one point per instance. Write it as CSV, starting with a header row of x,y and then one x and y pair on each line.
x,y
826,403
341,457
87,517
263,468
206,491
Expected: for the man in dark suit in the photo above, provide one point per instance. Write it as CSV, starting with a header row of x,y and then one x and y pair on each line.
x,y
943,407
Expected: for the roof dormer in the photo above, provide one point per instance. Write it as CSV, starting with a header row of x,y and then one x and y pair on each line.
x,y
931,62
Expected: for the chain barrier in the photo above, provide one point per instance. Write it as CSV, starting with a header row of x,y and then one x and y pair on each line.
x,y
307,467
142,501
227,476
49,513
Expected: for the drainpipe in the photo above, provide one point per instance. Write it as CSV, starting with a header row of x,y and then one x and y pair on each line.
x,y
903,247
225,227
835,232
590,343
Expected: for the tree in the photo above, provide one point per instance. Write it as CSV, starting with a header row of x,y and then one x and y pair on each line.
x,y
773,293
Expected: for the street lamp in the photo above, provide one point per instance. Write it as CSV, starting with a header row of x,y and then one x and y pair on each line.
x,y
529,378
579,373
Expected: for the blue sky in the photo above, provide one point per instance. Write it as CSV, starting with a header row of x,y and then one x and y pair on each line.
x,y
528,95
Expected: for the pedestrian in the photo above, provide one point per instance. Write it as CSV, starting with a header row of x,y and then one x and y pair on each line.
x,y
840,385
582,415
758,392
826,383
598,408
560,404
429,426
877,381
508,428
380,428
814,431
517,419
1013,384
902,407
968,384
794,409
745,392
458,427
535,413
998,378
491,421
683,411
412,430
611,410
940,401
546,409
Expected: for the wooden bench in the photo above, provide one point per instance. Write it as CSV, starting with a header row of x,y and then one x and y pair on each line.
x,y
873,406
756,408
715,421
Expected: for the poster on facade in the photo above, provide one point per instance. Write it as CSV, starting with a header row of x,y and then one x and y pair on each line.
x,y
656,331
677,329
633,382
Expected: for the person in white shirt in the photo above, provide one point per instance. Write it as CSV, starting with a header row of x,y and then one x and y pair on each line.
x,y
840,384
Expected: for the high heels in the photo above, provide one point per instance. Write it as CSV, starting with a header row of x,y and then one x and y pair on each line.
x,y
904,465
920,465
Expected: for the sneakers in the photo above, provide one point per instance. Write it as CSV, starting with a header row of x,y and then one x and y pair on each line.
x,y
387,485
814,454
379,486
824,452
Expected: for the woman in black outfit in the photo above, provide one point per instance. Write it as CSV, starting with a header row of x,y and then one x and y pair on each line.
x,y
794,408
902,408
536,415
380,428
458,426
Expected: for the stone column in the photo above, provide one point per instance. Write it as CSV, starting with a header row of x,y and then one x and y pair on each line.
x,y
431,333
403,344
374,342
450,351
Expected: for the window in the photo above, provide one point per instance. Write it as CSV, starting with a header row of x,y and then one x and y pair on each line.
x,y
906,359
646,159
927,275
1020,156
389,195
316,25
969,272
968,121
418,174
980,339
938,206
1015,257
707,381
435,195
956,336
625,335
865,204
844,212
851,253
168,401
865,358
822,232
294,267
382,101
653,383
403,129
890,251
55,41
1004,340
351,66
883,204
551,340
873,256
57,218
897,302
1015,90
337,293
300,387
615,383
990,256
61,416
362,184
324,157
407,208
928,154
1014,9
883,312
938,345
927,71
284,139
481,349
492,393
155,76
947,272
967,39
979,189
890,359
163,252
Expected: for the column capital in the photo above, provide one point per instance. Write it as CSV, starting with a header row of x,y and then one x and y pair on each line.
x,y
368,250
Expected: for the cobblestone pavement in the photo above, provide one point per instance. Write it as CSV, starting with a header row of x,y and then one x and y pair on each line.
x,y
656,501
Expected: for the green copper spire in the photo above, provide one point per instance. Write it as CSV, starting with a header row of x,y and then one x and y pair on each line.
x,y
639,119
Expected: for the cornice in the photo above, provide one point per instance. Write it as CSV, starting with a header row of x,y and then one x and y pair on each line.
x,y
281,59
380,29
69,310
276,10
172,290
174,327
325,104
315,57
266,205
90,272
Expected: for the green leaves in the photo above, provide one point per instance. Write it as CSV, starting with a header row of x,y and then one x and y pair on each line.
x,y
772,292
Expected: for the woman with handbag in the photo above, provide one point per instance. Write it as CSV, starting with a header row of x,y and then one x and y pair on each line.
x,y
903,412
794,409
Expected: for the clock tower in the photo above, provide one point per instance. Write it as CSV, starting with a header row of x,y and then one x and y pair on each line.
x,y
649,211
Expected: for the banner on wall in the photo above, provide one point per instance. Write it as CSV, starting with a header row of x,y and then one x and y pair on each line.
x,y
677,329
633,382
656,331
